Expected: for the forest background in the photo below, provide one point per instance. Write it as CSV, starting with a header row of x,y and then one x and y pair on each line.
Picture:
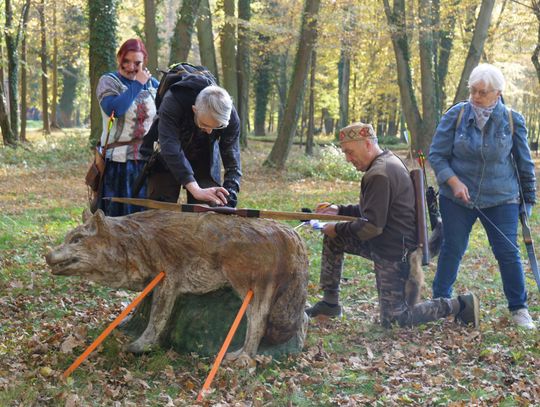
x,y
294,69
297,71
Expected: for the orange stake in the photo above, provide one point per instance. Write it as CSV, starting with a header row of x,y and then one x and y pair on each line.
x,y
113,325
225,345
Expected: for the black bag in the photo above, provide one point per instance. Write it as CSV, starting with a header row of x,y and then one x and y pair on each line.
x,y
174,74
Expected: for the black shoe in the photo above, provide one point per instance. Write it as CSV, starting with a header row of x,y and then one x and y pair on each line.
x,y
470,310
322,308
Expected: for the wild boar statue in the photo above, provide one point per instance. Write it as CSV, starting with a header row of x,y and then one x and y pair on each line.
x,y
199,253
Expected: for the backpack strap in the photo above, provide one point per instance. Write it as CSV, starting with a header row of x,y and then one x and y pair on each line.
x,y
460,115
510,120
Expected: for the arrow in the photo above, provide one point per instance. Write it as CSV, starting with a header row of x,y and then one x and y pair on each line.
x,y
245,213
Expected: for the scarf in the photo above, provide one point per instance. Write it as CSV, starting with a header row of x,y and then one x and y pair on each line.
x,y
482,113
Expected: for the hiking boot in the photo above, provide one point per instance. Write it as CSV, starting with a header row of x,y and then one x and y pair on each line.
x,y
470,310
522,318
323,308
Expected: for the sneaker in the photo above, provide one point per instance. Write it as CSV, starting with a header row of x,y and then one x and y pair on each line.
x,y
470,310
522,318
323,308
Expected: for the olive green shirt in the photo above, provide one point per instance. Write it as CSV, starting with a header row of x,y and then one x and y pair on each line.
x,y
386,213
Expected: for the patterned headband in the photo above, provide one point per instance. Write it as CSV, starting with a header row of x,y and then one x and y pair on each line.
x,y
357,131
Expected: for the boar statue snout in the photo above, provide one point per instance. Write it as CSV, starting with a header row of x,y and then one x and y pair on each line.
x,y
58,263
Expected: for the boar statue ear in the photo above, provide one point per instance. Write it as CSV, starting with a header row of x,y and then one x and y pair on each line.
x,y
100,221
87,214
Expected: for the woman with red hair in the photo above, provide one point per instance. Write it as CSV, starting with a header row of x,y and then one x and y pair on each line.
x,y
129,93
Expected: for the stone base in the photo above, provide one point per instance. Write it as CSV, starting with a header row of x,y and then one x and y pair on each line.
x,y
200,324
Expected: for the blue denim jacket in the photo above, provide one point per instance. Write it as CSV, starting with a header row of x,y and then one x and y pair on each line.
x,y
482,159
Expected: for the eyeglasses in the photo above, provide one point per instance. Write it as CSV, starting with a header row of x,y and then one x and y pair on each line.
x,y
204,126
481,92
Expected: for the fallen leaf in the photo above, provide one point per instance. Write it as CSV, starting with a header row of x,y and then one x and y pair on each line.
x,y
69,344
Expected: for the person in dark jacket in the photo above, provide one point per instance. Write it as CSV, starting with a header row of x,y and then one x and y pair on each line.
x,y
385,232
198,129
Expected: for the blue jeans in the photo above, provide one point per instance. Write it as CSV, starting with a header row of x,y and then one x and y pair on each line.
x,y
457,224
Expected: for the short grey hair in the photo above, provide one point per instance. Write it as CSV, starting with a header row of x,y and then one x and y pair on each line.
x,y
490,75
215,101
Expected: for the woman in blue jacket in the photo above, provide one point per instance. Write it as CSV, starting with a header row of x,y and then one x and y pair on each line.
x,y
479,166
129,93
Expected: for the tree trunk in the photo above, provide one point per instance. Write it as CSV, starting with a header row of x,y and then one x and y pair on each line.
x,y
303,119
24,87
1,59
205,34
181,39
282,85
54,100
7,135
44,79
445,44
228,51
344,67
13,71
393,119
151,35
70,76
102,19
12,35
262,92
244,15
73,18
327,121
271,113
344,79
24,74
400,43
427,70
477,45
534,58
308,36
311,111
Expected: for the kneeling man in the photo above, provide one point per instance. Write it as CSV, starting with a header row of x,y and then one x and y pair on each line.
x,y
384,232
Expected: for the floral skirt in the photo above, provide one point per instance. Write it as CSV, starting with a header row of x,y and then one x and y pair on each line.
x,y
119,181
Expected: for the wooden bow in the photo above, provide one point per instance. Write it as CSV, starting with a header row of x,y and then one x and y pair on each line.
x,y
245,213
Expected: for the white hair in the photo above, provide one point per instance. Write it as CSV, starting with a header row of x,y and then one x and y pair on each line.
x,y
216,102
490,75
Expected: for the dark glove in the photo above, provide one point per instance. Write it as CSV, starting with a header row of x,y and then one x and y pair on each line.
x,y
232,188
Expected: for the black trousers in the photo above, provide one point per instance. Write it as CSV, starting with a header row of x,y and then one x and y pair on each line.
x,y
162,186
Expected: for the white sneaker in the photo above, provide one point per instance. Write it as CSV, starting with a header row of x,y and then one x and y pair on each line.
x,y
522,318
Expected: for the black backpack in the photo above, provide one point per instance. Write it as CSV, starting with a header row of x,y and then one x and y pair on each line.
x,y
174,74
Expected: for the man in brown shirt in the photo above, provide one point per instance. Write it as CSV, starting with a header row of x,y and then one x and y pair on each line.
x,y
384,232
